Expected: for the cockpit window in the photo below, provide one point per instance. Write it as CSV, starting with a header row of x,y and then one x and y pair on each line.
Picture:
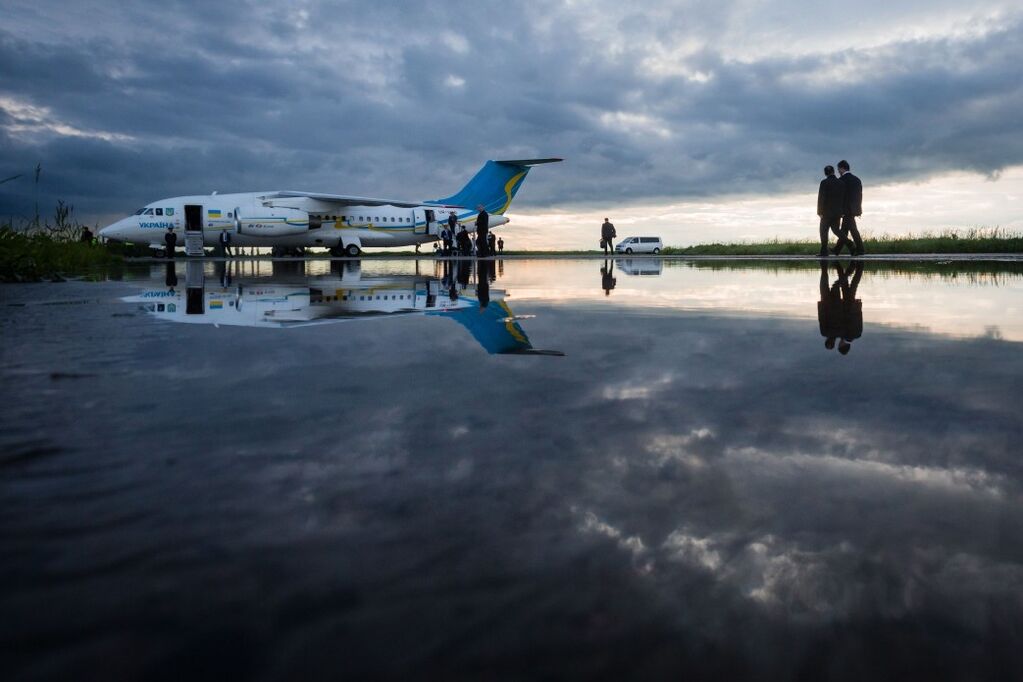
x,y
159,211
148,211
139,212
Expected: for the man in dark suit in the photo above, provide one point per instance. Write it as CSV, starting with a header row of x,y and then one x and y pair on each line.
x,y
830,203
171,241
852,207
482,230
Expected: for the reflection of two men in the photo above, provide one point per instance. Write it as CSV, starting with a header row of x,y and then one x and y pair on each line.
x,y
839,312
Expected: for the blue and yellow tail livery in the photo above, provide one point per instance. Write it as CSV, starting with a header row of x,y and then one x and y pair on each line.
x,y
494,186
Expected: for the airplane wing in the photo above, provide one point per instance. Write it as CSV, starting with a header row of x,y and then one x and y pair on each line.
x,y
345,199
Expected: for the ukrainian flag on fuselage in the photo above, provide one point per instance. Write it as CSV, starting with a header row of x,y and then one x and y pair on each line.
x,y
494,185
213,213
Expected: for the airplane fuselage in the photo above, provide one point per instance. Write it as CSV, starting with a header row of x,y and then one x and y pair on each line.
x,y
263,219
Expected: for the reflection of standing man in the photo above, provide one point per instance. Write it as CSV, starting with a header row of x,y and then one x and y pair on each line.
x,y
607,278
171,241
171,277
225,243
607,236
484,271
830,200
482,231
851,208
829,308
852,308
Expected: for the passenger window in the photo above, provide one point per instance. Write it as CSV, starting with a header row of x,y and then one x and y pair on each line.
x,y
159,211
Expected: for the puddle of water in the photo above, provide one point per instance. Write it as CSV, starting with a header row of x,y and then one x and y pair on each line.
x,y
555,468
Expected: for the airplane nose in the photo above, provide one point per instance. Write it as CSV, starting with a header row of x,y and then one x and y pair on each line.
x,y
112,231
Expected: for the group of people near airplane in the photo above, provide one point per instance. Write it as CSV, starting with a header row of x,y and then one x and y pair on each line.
x,y
458,241
839,202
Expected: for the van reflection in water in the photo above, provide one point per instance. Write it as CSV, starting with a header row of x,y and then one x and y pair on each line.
x,y
289,298
839,312
640,266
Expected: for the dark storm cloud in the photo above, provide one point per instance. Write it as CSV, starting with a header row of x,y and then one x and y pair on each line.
x,y
407,101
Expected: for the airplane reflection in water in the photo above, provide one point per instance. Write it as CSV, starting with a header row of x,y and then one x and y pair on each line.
x,y
293,299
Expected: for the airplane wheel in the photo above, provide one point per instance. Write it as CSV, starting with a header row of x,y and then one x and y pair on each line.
x,y
352,250
656,251
629,250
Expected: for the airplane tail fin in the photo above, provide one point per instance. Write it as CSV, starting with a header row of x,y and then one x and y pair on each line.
x,y
495,328
494,186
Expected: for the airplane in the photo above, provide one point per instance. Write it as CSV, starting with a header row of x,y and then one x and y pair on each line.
x,y
290,221
287,301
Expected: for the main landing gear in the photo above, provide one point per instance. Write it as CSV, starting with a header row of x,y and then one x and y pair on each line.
x,y
352,250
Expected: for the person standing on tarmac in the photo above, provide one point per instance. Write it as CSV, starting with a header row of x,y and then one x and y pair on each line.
x,y
482,231
607,235
500,244
464,243
171,241
491,243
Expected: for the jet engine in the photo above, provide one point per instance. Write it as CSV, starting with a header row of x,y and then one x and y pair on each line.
x,y
276,222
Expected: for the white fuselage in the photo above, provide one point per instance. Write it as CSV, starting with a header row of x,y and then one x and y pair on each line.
x,y
263,219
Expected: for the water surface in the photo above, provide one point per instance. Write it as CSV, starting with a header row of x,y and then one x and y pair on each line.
x,y
565,469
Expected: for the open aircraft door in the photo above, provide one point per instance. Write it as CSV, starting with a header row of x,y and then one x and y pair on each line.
x,y
193,230
424,221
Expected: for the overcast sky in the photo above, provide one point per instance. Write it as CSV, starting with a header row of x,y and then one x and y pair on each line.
x,y
668,105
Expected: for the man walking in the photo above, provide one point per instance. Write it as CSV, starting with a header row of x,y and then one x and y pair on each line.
x,y
851,208
171,241
482,230
830,200
607,235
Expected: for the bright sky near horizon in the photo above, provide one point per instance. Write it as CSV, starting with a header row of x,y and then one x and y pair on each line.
x,y
695,120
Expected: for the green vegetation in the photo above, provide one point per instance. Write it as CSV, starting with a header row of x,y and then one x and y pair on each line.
x,y
972,240
36,249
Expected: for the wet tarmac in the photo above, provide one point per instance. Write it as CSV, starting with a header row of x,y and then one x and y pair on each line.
x,y
637,469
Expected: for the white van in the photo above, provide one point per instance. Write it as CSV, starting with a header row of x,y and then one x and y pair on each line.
x,y
640,245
